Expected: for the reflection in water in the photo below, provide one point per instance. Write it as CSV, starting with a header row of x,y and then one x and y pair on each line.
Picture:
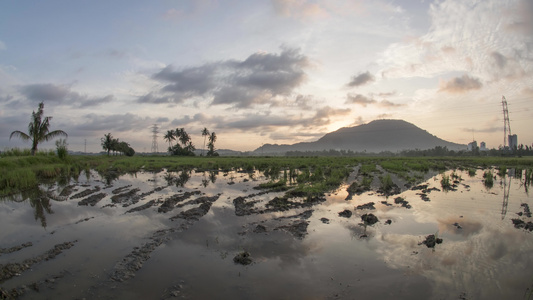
x,y
41,205
506,190
481,257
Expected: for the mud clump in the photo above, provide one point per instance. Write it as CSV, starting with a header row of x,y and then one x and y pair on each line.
x,y
369,219
260,229
431,240
242,258
369,205
526,212
403,202
92,200
298,229
521,224
324,220
242,207
345,213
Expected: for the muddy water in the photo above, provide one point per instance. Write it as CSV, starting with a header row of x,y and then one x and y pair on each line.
x,y
175,235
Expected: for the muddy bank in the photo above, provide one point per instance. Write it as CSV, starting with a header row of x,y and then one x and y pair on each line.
x,y
16,269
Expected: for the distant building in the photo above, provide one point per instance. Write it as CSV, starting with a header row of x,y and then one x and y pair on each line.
x,y
513,141
472,146
483,147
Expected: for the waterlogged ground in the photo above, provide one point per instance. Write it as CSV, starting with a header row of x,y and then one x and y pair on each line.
x,y
212,235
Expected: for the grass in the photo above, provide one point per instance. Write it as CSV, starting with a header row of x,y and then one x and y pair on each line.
x,y
488,178
445,182
313,175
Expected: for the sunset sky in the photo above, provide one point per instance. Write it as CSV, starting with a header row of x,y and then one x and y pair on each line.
x,y
254,72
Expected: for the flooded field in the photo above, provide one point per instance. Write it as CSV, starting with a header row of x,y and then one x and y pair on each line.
x,y
216,235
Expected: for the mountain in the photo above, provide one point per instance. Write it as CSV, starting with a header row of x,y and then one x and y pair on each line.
x,y
376,136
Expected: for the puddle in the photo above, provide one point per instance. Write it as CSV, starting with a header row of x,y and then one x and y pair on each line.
x,y
175,235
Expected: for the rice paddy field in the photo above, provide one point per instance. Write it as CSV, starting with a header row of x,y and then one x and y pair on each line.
x,y
265,228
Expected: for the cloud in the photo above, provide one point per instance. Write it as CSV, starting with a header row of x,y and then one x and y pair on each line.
x,y
61,94
364,101
299,9
461,84
499,59
463,37
523,18
359,99
256,80
361,79
116,123
324,115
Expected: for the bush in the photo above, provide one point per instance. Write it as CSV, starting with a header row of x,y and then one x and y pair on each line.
x,y
62,148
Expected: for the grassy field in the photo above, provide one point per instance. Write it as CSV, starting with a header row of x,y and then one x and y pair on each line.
x,y
311,175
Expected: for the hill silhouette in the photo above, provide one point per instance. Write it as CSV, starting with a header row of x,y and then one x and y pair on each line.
x,y
376,136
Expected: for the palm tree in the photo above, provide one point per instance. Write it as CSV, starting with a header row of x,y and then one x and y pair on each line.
x,y
107,142
38,130
205,134
211,145
169,137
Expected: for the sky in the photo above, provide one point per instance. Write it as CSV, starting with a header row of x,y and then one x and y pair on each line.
x,y
265,71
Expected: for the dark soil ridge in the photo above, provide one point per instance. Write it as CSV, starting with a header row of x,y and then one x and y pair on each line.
x,y
171,202
85,193
131,263
92,200
126,196
7,271
15,248
277,204
120,189
19,291
67,191
196,213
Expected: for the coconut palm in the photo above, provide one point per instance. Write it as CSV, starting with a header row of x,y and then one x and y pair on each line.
x,y
38,130
205,134
169,137
211,145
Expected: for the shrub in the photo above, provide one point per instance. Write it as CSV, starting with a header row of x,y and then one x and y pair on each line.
x,y
62,148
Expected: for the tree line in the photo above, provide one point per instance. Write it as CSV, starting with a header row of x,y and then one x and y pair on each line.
x,y
184,145
111,144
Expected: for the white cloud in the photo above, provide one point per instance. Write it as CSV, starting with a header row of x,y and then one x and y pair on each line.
x,y
464,37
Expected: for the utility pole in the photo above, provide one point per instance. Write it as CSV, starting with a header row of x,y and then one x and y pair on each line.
x,y
155,131
506,123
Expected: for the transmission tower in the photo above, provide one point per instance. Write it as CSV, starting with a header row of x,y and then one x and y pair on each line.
x,y
506,123
155,131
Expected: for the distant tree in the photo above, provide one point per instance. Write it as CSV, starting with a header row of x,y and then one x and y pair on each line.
x,y
186,148
107,142
211,145
115,146
38,130
205,134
